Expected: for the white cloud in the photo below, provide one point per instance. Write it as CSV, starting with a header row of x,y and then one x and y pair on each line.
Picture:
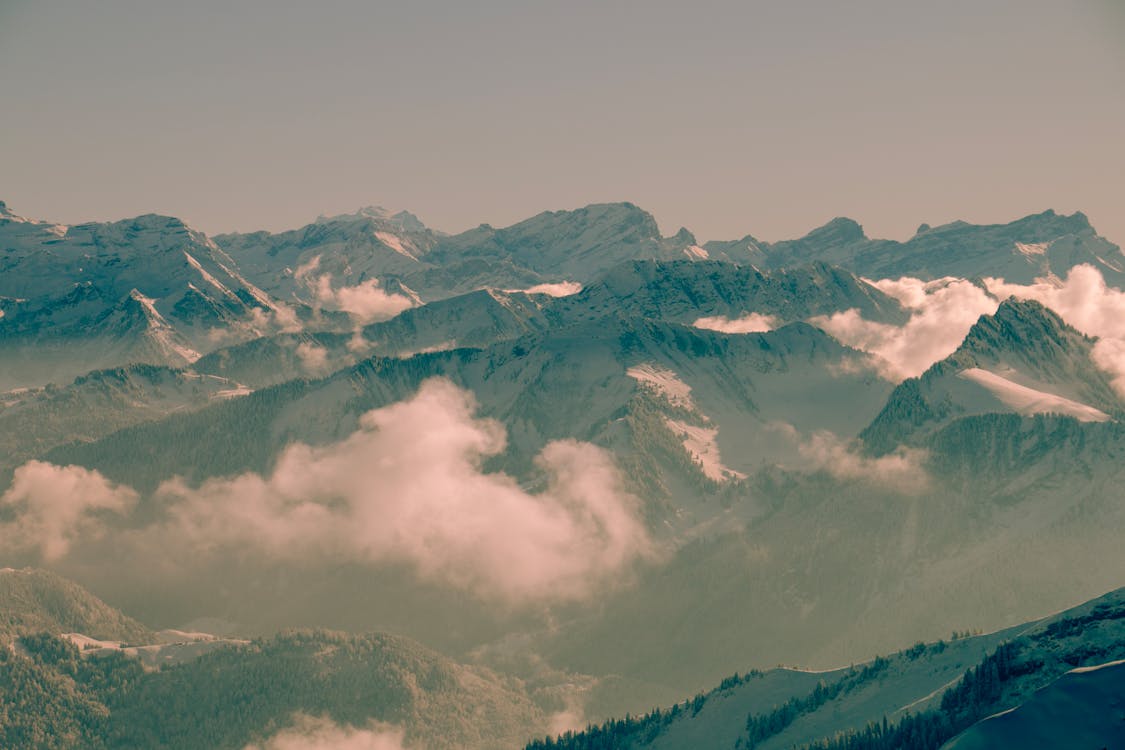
x,y
367,302
748,323
557,289
941,314
408,487
902,470
1084,301
312,733
55,506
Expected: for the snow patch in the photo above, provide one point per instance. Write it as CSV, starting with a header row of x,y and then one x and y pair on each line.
x,y
207,276
557,289
1096,667
748,323
395,243
1030,401
236,392
665,382
1032,249
701,445
161,333
695,252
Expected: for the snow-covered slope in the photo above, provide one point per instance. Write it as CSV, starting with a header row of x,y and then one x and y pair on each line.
x,y
684,291
409,259
149,289
345,250
917,698
1083,708
679,291
578,245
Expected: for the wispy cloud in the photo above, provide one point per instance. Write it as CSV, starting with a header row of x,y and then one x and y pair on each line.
x,y
903,471
313,357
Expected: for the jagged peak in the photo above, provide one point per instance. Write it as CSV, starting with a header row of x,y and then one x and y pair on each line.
x,y
685,236
1015,322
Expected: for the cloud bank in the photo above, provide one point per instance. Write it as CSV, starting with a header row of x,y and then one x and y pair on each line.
x,y
748,323
407,487
941,314
312,733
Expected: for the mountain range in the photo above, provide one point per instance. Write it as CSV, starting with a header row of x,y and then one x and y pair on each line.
x,y
700,458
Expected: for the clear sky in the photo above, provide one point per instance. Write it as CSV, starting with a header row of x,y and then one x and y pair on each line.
x,y
726,117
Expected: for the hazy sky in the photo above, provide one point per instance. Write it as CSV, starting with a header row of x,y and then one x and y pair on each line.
x,y
726,117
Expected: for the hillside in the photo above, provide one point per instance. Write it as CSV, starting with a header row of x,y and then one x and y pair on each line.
x,y
914,700
38,601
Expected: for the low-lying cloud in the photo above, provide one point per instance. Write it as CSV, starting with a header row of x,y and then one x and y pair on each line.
x,y
54,506
407,487
941,314
366,302
321,733
748,323
903,470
